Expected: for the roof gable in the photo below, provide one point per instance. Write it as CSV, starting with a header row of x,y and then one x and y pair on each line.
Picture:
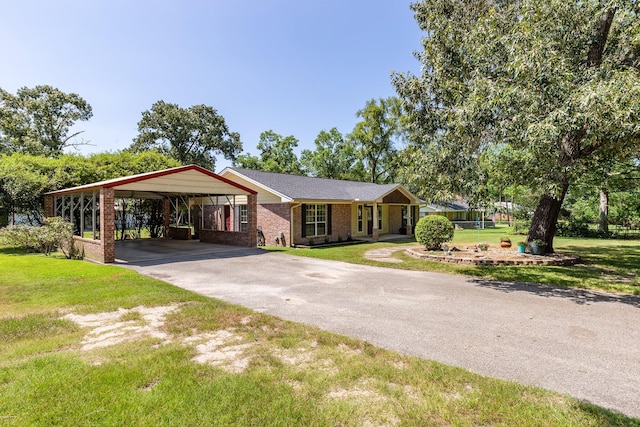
x,y
191,179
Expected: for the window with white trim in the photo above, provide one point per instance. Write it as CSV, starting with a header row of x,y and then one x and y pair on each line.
x,y
360,218
379,217
244,218
316,220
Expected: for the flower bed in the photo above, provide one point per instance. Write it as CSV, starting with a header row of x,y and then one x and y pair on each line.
x,y
492,257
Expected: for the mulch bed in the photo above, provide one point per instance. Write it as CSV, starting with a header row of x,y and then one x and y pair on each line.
x,y
493,257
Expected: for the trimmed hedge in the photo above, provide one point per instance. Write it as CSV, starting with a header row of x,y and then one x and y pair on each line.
x,y
434,230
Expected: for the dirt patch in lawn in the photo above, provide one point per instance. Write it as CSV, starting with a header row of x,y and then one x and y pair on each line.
x,y
226,348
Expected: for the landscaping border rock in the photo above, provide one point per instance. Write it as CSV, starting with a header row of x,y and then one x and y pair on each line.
x,y
493,257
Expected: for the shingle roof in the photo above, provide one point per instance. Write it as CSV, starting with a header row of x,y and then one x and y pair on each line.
x,y
298,187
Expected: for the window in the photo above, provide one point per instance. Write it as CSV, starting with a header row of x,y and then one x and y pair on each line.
x,y
405,217
379,217
360,218
243,217
316,220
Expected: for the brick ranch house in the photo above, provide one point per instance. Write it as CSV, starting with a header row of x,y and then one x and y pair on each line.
x,y
293,209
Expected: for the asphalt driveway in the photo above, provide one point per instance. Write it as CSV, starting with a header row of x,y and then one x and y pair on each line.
x,y
582,343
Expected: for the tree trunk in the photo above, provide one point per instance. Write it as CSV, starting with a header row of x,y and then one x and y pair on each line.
x,y
545,218
603,224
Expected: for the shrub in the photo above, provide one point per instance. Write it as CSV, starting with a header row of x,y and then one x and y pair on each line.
x,y
434,230
52,235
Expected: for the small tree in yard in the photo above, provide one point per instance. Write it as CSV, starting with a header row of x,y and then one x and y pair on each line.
x,y
434,230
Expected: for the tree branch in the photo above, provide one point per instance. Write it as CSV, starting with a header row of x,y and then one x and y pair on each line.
x,y
596,50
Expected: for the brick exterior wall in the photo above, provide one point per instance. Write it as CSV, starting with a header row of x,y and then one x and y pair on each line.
x,y
274,219
394,218
92,249
213,217
226,237
297,227
340,222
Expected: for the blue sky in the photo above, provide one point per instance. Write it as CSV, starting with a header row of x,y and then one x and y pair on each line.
x,y
296,67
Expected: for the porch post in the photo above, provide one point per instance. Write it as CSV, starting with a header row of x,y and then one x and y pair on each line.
x,y
409,220
375,231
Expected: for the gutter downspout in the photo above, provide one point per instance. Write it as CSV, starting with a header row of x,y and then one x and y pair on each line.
x,y
291,244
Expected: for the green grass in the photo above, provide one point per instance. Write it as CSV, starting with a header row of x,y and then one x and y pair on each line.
x,y
293,375
608,265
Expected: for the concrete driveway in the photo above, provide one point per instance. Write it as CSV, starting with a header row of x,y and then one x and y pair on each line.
x,y
582,343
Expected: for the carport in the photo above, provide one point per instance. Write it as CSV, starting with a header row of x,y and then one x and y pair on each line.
x,y
222,211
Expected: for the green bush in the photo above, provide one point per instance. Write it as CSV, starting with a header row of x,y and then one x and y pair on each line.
x,y
54,234
434,230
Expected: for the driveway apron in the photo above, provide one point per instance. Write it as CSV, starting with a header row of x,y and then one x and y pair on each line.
x,y
582,343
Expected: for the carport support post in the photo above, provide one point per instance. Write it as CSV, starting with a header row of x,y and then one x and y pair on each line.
x,y
107,224
252,219
166,216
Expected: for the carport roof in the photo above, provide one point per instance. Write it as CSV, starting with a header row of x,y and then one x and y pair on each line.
x,y
191,179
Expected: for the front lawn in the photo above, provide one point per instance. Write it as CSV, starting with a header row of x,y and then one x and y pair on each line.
x,y
608,265
84,344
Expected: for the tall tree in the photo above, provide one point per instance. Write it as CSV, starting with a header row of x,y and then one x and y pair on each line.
x,y
375,135
276,155
190,135
38,120
333,158
556,80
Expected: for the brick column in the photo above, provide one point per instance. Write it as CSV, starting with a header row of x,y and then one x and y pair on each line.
x,y
252,214
48,206
166,216
107,224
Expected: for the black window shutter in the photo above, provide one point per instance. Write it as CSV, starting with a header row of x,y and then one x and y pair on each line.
x,y
329,219
304,220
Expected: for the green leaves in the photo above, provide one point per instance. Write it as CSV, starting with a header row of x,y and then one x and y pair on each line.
x,y
276,155
38,120
333,158
193,135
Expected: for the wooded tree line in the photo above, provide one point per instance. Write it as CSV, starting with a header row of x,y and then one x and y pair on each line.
x,y
521,98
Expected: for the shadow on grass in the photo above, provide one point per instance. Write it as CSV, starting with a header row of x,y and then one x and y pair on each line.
x,y
624,257
579,296
13,251
608,417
